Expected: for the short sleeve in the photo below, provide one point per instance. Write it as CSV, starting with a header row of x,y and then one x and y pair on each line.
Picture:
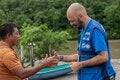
x,y
99,41
11,61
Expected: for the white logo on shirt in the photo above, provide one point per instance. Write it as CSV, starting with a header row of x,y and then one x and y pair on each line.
x,y
87,33
88,46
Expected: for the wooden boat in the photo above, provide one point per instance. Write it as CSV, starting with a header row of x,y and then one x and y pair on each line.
x,y
47,73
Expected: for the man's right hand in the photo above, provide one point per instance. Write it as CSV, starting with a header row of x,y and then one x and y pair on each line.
x,y
49,62
56,55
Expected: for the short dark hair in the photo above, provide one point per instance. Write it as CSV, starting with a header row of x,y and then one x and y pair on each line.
x,y
6,28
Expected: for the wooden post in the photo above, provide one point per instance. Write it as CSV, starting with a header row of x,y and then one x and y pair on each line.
x,y
50,50
31,53
21,55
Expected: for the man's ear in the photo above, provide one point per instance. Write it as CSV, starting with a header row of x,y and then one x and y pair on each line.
x,y
7,36
79,13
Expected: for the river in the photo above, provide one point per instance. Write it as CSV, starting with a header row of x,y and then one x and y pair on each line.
x,y
115,55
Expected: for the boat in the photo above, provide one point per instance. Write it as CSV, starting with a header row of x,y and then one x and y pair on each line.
x,y
52,72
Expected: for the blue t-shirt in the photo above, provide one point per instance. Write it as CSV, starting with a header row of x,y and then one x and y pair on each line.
x,y
99,42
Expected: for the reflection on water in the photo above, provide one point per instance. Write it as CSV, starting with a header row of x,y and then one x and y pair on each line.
x,y
114,48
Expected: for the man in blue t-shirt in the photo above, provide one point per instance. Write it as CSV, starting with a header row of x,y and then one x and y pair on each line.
x,y
92,60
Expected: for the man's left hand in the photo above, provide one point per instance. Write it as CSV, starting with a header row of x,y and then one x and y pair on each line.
x,y
75,66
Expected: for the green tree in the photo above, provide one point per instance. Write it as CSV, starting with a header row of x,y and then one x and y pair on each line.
x,y
53,13
45,40
112,21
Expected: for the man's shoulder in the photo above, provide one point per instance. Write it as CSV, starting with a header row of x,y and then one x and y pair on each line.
x,y
7,51
95,23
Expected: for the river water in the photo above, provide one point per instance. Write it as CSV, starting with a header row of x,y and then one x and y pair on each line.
x,y
115,55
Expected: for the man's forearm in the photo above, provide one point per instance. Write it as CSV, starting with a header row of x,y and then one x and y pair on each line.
x,y
99,59
70,58
24,73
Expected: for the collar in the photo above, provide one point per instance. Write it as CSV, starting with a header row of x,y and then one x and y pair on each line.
x,y
88,21
2,43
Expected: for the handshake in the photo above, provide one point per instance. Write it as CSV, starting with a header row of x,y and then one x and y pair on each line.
x,y
53,61
50,61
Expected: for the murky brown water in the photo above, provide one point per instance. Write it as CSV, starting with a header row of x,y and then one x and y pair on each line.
x,y
115,54
114,48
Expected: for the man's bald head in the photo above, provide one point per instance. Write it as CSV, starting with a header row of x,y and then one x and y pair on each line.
x,y
75,8
77,15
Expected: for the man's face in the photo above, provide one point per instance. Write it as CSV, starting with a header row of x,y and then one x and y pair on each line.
x,y
14,37
75,21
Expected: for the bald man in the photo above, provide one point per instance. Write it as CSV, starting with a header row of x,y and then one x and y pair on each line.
x,y
92,61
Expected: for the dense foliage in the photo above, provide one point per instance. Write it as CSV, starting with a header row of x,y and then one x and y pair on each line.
x,y
44,40
44,22
53,13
